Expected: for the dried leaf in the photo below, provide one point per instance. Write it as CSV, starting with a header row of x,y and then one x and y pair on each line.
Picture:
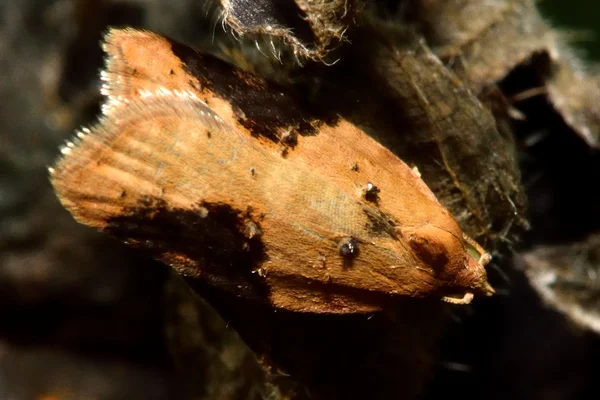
x,y
567,278
485,40
310,29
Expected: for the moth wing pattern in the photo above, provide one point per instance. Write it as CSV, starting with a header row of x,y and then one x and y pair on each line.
x,y
170,169
124,162
137,176
139,63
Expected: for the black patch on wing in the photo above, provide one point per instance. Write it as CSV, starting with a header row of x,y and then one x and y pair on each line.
x,y
213,238
380,224
265,109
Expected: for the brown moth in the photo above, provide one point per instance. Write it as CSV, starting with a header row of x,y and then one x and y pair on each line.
x,y
231,181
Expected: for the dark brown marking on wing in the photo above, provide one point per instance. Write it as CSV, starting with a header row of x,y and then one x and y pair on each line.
x,y
212,242
263,108
380,224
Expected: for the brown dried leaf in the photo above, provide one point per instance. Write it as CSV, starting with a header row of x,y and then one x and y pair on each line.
x,y
311,29
567,278
485,41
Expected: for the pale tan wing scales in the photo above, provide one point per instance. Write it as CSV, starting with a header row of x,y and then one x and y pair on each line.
x,y
111,165
152,175
139,63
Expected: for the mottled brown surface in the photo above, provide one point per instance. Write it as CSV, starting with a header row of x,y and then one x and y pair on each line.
x,y
484,41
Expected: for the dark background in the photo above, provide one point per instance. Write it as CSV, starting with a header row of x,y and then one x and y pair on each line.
x,y
580,17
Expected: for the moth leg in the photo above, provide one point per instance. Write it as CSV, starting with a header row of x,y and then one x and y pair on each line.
x,y
466,299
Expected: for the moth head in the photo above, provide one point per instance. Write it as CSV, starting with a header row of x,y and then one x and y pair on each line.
x,y
458,261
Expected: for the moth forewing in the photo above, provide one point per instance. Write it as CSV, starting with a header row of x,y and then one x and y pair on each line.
x,y
183,167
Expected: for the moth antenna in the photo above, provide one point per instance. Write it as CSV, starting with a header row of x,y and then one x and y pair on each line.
x,y
484,257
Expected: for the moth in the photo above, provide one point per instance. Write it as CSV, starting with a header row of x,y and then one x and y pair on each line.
x,y
236,183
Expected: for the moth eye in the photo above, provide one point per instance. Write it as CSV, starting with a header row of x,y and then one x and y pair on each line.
x,y
372,193
348,247
472,251
475,252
